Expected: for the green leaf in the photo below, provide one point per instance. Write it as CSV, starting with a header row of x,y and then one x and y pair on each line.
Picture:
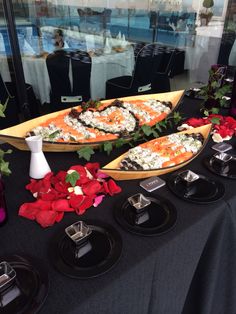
x,y
107,146
155,134
158,127
136,136
215,110
206,112
85,152
72,177
163,124
120,142
177,117
3,108
4,168
147,130
214,84
215,120
54,134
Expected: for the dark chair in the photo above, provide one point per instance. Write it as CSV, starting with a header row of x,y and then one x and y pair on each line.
x,y
12,110
81,71
178,64
58,69
147,63
161,81
62,94
33,103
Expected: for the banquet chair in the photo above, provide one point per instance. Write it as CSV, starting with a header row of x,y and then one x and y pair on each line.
x,y
146,65
81,72
161,79
58,64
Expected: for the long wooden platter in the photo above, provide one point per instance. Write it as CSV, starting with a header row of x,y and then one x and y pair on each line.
x,y
15,135
112,169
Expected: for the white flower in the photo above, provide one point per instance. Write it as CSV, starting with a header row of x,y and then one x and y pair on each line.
x,y
184,126
78,190
217,138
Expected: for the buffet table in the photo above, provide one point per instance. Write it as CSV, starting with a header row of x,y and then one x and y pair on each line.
x,y
189,269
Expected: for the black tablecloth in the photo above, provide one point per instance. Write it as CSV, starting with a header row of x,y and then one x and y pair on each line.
x,y
190,269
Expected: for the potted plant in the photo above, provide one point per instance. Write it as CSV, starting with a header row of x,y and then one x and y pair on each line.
x,y
213,94
206,14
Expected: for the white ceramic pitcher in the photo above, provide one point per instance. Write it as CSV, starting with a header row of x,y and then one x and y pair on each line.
x,y
38,164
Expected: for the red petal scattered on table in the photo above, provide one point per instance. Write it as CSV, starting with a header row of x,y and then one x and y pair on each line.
x,y
93,168
76,200
113,187
59,216
54,199
46,218
49,196
62,205
98,200
86,203
28,210
92,187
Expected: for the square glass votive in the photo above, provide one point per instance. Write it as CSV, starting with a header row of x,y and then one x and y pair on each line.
x,y
7,275
222,158
139,202
78,231
188,177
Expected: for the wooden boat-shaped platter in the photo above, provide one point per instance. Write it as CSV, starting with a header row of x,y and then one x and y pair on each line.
x,y
113,168
15,135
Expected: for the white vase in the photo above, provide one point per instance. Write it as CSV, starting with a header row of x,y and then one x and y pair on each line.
x,y
38,164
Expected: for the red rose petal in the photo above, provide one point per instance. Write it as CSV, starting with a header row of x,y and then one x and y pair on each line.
x,y
43,205
76,200
62,205
46,218
62,187
59,216
86,203
61,176
195,122
113,187
92,187
49,196
105,187
93,168
28,211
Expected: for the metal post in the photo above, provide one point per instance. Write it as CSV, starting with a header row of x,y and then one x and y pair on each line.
x,y
16,59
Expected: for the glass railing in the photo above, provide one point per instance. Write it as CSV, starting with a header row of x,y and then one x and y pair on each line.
x,y
44,28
